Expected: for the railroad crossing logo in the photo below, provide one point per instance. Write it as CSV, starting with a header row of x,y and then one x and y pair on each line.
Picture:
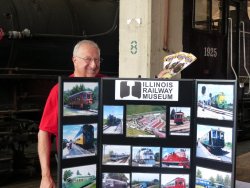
x,y
146,90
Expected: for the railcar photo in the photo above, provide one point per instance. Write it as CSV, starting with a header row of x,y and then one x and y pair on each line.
x,y
82,176
214,142
176,183
110,183
81,100
115,180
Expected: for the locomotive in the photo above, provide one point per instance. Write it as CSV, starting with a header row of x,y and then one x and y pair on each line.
x,y
116,157
177,158
85,137
219,101
145,156
213,140
112,120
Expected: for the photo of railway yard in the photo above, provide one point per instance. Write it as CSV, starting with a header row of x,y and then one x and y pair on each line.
x,y
118,155
113,119
146,121
215,101
179,121
214,142
80,98
79,140
206,177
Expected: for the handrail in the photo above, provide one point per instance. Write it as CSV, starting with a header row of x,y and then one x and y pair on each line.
x,y
244,55
230,37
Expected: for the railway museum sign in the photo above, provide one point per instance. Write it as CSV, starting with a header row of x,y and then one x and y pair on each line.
x,y
146,90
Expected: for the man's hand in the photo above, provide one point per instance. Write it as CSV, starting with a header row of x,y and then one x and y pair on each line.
x,y
47,182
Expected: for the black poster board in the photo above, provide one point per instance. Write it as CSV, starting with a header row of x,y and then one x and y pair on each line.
x,y
156,133
79,122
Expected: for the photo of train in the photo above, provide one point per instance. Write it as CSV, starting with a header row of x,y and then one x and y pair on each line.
x,y
116,155
79,181
115,180
81,176
81,100
176,183
110,183
175,157
112,119
179,120
146,156
85,137
215,101
79,140
145,180
214,142
211,178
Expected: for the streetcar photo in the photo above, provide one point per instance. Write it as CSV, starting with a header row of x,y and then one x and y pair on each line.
x,y
176,183
81,100
213,140
178,118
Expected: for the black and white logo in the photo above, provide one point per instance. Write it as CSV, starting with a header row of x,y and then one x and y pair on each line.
x,y
146,90
130,89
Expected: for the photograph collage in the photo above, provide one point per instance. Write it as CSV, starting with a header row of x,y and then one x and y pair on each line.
x,y
215,127
79,110
109,143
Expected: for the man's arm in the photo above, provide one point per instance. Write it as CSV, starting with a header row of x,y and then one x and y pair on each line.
x,y
44,148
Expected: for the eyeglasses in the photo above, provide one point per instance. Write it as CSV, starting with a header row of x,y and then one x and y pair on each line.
x,y
88,60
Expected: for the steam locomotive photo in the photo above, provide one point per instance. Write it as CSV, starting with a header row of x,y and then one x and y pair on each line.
x,y
113,121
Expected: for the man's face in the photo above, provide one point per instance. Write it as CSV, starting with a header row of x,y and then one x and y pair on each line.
x,y
86,61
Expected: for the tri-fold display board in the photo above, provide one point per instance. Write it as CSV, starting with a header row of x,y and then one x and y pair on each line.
x,y
146,133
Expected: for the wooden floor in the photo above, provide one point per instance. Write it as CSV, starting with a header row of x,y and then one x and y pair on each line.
x,y
242,170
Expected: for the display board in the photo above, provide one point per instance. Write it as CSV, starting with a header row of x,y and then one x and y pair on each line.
x,y
148,133
78,146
